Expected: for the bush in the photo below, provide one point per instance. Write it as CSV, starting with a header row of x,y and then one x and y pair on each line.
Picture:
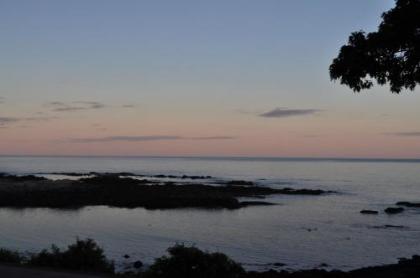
x,y
189,262
8,256
84,255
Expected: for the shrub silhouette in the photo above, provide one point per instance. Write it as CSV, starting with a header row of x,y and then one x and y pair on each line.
x,y
84,255
188,262
8,256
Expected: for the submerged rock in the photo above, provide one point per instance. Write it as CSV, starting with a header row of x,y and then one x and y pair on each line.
x,y
390,227
367,211
256,203
408,204
393,210
322,265
291,191
138,264
239,182
279,264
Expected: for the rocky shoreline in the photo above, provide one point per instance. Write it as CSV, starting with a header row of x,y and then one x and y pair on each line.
x,y
131,191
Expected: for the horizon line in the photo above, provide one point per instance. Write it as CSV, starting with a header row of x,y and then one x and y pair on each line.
x,y
337,158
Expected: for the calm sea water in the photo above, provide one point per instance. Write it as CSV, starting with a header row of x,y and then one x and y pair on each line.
x,y
301,231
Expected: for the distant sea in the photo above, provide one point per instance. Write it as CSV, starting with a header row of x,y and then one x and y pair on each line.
x,y
300,232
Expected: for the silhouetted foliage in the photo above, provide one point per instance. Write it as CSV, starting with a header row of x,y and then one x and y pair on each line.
x,y
8,256
84,255
189,262
22,178
390,55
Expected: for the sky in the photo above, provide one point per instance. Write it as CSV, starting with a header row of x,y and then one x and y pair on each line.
x,y
193,78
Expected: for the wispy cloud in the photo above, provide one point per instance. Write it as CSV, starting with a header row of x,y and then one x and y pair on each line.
x,y
39,119
288,112
8,120
58,106
91,104
128,106
126,138
406,134
212,138
5,121
145,138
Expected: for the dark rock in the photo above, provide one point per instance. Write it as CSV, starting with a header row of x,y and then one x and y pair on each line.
x,y
128,174
393,210
126,256
279,264
197,177
323,265
408,204
138,264
405,268
291,191
389,227
366,211
70,174
239,182
121,191
255,203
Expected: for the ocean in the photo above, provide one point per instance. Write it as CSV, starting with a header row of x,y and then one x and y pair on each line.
x,y
300,231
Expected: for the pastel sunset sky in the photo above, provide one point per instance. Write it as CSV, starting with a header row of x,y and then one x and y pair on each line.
x,y
192,77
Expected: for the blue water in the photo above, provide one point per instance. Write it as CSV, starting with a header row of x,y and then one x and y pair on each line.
x,y
301,231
